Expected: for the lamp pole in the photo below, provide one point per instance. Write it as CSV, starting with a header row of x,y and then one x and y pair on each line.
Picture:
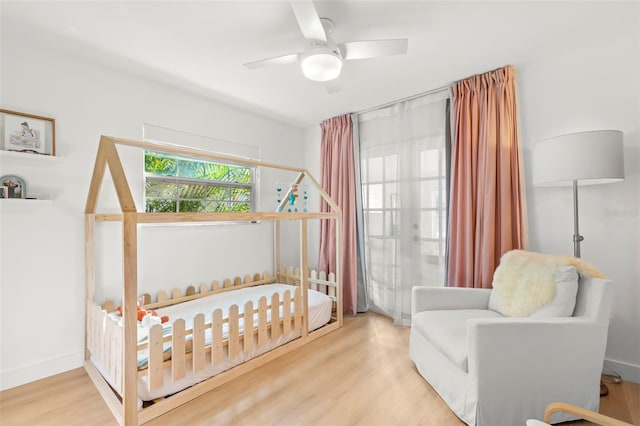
x,y
576,233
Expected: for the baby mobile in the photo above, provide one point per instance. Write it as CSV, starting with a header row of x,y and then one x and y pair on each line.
x,y
292,197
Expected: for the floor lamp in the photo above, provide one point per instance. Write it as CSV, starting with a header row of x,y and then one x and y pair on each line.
x,y
585,158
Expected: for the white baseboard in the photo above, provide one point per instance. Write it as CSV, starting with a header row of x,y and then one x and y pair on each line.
x,y
19,376
629,372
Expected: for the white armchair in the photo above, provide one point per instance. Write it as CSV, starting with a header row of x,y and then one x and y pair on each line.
x,y
493,370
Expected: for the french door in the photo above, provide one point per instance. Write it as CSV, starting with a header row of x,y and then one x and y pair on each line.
x,y
403,174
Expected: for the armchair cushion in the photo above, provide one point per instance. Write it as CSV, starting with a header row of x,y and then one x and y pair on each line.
x,y
447,331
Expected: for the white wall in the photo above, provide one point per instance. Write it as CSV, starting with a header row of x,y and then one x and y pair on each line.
x,y
41,259
597,87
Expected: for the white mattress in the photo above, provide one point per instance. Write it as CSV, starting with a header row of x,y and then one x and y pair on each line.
x,y
319,314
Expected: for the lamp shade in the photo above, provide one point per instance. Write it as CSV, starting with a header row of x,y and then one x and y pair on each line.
x,y
589,158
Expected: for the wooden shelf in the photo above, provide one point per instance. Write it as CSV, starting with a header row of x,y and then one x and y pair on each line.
x,y
37,199
25,201
23,156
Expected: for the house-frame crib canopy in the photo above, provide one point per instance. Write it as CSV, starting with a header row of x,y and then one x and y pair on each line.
x,y
126,409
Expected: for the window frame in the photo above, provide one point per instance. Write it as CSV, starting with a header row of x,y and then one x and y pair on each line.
x,y
178,180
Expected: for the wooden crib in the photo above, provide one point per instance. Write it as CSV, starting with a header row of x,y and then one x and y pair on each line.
x,y
185,350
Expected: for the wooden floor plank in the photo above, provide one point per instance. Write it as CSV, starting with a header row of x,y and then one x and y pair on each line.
x,y
358,375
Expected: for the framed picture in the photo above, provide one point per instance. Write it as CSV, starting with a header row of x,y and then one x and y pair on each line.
x,y
13,187
27,133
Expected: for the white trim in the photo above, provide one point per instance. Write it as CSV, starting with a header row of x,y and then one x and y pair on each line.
x,y
29,373
628,372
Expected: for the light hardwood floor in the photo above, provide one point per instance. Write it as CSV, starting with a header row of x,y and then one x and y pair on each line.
x,y
358,375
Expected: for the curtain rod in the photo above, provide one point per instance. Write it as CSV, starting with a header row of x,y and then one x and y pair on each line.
x,y
408,98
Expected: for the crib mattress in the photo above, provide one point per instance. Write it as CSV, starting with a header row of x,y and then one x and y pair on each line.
x,y
320,306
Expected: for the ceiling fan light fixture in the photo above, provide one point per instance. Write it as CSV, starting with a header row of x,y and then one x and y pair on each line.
x,y
321,66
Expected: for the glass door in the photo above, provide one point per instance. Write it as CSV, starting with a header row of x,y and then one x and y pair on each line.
x,y
404,192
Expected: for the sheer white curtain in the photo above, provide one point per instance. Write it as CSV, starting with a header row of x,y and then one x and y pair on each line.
x,y
404,184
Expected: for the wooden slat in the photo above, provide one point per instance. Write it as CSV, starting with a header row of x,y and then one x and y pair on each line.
x,y
89,274
162,296
286,313
216,285
313,276
216,337
262,321
247,322
275,316
130,324
156,376
234,335
114,360
199,353
191,290
216,217
90,333
297,309
227,283
178,350
324,195
204,288
181,299
237,281
198,153
176,293
127,205
303,276
99,168
109,397
145,298
247,279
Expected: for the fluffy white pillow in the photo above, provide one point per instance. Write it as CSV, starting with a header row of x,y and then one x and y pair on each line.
x,y
529,284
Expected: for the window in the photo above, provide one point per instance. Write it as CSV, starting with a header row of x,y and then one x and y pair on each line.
x,y
174,184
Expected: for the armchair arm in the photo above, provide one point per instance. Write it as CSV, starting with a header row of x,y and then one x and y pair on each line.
x,y
436,298
538,352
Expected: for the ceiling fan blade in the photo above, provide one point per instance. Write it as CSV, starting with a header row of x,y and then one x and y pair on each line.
x,y
333,86
308,20
278,60
373,48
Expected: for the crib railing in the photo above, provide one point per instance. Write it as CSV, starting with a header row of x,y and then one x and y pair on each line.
x,y
273,320
318,281
104,342
270,319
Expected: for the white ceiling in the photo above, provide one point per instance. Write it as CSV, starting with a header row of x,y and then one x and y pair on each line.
x,y
201,46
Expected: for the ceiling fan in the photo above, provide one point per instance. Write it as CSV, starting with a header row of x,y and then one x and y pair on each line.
x,y
322,58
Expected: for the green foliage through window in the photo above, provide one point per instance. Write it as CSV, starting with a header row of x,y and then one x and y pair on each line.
x,y
175,184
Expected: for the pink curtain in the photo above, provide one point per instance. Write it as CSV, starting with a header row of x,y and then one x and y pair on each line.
x,y
487,214
338,180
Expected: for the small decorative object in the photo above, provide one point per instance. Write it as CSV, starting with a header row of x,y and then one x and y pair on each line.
x,y
4,192
27,133
14,187
291,197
